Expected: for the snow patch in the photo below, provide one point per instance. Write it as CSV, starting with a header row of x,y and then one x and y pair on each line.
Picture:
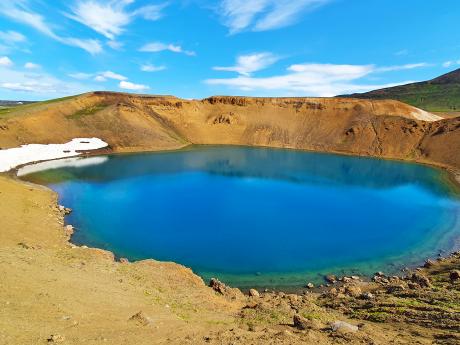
x,y
75,162
11,158
423,115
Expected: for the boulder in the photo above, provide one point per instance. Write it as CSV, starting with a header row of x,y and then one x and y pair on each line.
x,y
429,263
303,323
254,293
420,279
343,327
454,275
367,295
354,291
395,288
217,286
140,319
331,278
55,338
68,230
310,285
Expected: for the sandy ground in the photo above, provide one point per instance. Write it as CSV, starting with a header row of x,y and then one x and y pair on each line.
x,y
54,292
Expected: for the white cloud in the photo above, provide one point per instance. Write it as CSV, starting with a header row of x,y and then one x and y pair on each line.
x,y
112,75
261,15
311,79
402,67
80,75
9,40
115,45
131,86
18,11
109,18
247,64
11,37
152,68
100,78
451,63
31,65
41,85
5,61
156,47
90,45
150,12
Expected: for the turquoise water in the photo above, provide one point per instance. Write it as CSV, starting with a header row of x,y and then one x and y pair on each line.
x,y
260,217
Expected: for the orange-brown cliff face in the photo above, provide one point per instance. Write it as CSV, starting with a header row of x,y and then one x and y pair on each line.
x,y
383,128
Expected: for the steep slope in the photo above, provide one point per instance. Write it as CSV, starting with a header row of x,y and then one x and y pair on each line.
x,y
382,128
441,94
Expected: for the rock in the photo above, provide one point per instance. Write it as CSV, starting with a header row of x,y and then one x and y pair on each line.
x,y
303,323
331,278
454,275
55,338
217,286
343,327
367,295
140,319
24,245
413,286
124,260
395,288
420,279
254,293
68,230
353,291
355,277
429,263
310,285
380,274
346,279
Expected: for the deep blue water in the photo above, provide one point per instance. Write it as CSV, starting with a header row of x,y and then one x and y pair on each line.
x,y
260,217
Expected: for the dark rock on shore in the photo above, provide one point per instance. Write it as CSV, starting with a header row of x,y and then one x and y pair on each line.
x,y
332,279
454,275
303,323
421,280
217,286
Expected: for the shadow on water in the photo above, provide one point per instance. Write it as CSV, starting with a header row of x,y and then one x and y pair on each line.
x,y
289,165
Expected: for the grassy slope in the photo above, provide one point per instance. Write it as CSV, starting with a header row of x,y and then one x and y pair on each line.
x,y
438,95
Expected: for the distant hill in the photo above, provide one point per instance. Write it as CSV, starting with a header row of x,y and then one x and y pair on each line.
x,y
4,103
441,94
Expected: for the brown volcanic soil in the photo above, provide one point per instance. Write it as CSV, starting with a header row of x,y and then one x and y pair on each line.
x,y
383,128
54,292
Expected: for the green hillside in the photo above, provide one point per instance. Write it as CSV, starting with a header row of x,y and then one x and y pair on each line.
x,y
441,94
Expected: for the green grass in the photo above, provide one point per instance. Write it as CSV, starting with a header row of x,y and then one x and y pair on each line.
x,y
4,110
438,95
19,110
87,111
427,96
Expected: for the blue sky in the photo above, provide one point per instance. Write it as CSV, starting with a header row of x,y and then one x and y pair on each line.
x,y
198,48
